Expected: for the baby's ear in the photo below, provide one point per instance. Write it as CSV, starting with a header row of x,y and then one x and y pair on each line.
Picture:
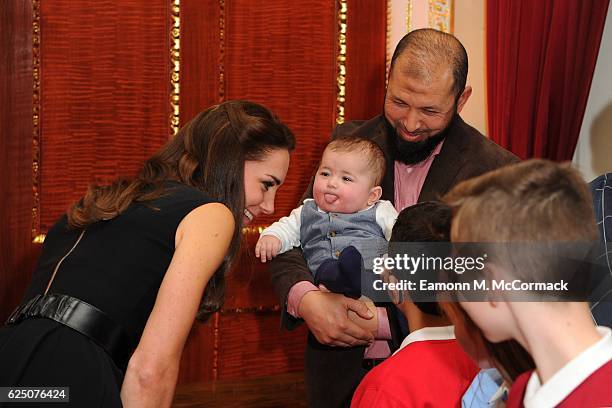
x,y
375,193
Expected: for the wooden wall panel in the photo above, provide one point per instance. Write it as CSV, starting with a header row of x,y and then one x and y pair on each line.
x,y
282,54
16,81
200,56
198,363
365,58
248,283
249,346
105,93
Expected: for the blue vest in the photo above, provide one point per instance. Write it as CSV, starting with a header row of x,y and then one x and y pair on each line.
x,y
324,235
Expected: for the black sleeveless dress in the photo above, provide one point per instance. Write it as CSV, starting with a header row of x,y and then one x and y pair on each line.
x,y
117,266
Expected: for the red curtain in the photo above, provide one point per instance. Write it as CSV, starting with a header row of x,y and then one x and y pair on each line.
x,y
541,56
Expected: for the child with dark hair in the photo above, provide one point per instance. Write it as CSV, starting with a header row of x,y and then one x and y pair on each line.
x,y
430,368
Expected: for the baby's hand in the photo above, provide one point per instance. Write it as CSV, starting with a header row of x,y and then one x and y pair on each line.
x,y
267,247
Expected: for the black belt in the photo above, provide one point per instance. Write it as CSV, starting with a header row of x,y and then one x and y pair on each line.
x,y
82,317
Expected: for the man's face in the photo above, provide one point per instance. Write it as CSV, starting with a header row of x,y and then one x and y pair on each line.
x,y
420,110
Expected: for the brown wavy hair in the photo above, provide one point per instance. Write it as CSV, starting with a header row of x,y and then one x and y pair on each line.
x,y
208,153
509,357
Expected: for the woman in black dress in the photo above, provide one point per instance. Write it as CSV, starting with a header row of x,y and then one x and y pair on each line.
x,y
124,273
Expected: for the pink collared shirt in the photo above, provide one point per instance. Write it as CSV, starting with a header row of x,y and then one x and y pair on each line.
x,y
409,180
378,349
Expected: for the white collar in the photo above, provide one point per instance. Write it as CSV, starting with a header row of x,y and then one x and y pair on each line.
x,y
571,375
429,333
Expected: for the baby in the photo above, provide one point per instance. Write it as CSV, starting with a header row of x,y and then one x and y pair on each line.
x,y
345,224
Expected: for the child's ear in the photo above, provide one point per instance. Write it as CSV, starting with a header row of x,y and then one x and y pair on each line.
x,y
374,196
496,272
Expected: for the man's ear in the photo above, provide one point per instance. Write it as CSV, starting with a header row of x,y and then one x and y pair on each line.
x,y
375,194
465,95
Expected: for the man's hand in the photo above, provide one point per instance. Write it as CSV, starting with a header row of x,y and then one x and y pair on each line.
x,y
371,324
326,315
267,247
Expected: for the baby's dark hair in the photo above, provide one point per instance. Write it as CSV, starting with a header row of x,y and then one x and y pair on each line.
x,y
373,152
429,221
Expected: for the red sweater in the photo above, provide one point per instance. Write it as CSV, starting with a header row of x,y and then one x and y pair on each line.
x,y
425,373
595,391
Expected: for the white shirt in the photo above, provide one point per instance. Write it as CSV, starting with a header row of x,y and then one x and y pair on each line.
x,y
287,229
427,334
570,376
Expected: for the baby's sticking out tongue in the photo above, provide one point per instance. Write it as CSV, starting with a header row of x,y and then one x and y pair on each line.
x,y
330,198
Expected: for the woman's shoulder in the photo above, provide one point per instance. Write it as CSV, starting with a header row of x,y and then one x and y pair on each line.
x,y
175,202
177,192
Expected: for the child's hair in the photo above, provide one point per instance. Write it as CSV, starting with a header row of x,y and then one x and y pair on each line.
x,y
373,153
536,201
509,357
545,202
428,221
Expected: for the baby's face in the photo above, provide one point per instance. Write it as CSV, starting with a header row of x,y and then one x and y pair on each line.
x,y
344,183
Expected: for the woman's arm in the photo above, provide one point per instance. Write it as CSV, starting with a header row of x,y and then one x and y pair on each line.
x,y
202,240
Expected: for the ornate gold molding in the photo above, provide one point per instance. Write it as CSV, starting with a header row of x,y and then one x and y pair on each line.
x,y
388,43
215,357
440,15
341,62
251,309
36,236
175,60
221,50
245,230
409,16
257,229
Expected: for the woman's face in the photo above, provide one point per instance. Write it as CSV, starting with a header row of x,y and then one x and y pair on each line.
x,y
262,178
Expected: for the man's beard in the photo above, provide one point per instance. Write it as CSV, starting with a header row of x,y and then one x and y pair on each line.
x,y
415,152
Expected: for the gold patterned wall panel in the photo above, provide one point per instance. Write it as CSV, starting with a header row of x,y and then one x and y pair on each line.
x,y
407,15
175,60
341,62
37,236
441,15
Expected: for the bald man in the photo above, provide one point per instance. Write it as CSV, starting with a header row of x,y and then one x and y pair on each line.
x,y
428,149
